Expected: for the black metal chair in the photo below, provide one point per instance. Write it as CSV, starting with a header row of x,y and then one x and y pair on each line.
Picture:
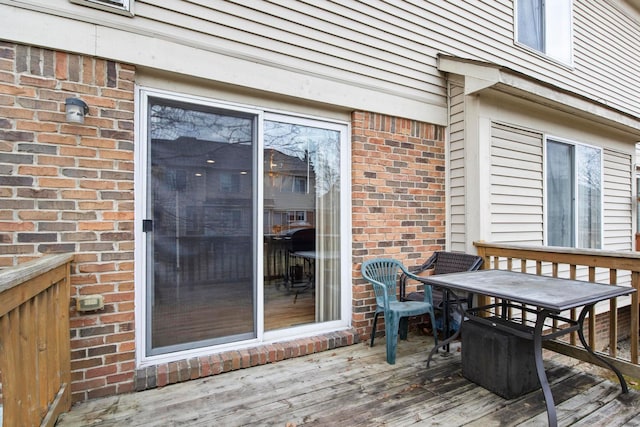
x,y
442,262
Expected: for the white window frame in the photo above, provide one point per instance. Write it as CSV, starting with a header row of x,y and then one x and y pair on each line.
x,y
557,28
549,138
123,7
142,95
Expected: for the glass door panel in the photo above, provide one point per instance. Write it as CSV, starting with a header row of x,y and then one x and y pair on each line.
x,y
201,288
301,224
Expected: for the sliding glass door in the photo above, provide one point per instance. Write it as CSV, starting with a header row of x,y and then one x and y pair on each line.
x,y
242,225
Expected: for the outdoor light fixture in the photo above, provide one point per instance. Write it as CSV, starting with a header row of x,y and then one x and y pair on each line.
x,y
75,110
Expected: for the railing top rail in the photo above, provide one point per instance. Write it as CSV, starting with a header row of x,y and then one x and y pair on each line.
x,y
560,249
13,276
621,260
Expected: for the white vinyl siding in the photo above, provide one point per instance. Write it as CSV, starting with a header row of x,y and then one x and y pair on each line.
x,y
618,200
354,44
456,169
516,185
517,190
336,52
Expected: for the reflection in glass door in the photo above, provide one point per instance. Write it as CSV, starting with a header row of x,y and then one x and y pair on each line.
x,y
199,226
301,223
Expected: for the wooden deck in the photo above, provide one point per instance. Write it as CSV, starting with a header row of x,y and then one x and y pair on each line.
x,y
354,386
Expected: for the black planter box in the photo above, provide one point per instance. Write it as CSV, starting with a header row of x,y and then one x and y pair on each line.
x,y
497,360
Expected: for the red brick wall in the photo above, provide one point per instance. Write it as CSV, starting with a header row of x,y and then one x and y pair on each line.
x,y
69,188
398,184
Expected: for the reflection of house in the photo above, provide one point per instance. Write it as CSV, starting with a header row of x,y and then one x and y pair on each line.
x,y
289,192
444,114
212,179
203,199
218,192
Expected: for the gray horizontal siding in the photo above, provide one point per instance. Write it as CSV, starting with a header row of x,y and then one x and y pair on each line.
x,y
605,67
388,46
517,212
298,35
618,199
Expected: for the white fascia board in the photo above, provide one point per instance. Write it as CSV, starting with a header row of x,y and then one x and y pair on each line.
x,y
477,76
568,102
227,67
468,67
473,84
483,75
115,40
54,31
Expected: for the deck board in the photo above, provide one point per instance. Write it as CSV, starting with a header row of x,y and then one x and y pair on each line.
x,y
354,386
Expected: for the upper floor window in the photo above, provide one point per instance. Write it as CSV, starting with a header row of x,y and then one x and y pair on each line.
x,y
299,184
119,6
545,25
229,182
574,195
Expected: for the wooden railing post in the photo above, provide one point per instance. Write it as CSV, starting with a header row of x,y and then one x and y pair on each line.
x,y
34,341
635,317
483,300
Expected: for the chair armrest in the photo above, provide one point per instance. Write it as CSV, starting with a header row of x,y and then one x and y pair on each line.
x,y
379,288
429,263
425,266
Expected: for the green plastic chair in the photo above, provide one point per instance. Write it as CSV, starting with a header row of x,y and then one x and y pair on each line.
x,y
383,274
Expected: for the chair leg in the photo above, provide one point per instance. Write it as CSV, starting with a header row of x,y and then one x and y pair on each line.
x,y
373,329
391,331
404,328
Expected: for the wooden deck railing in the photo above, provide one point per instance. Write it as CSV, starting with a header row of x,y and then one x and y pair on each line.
x,y
622,268
35,346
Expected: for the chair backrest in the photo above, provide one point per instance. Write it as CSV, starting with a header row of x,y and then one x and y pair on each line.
x,y
452,262
383,274
444,262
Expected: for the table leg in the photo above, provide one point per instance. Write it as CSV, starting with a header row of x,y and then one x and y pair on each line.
x,y
542,375
587,347
445,317
448,340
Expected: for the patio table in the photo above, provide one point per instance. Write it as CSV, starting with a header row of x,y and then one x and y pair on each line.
x,y
545,299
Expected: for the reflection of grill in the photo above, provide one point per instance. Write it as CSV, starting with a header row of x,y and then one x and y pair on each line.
x,y
300,271
303,240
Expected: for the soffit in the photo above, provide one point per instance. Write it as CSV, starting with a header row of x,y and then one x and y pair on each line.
x,y
479,76
634,4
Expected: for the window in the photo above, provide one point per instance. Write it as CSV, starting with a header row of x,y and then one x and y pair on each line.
x,y
229,182
297,216
545,25
119,6
574,195
299,184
